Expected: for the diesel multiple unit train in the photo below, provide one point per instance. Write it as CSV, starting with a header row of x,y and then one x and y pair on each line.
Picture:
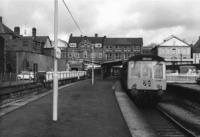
x,y
144,78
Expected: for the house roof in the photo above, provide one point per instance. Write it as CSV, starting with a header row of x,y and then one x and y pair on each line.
x,y
123,41
197,44
37,38
172,36
195,49
5,30
113,41
76,39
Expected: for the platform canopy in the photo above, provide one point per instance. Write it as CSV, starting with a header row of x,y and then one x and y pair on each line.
x,y
112,63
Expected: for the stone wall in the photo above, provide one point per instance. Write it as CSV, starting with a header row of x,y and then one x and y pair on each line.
x,y
26,60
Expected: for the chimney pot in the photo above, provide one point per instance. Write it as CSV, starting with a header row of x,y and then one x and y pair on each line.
x,y
0,19
96,35
34,32
17,30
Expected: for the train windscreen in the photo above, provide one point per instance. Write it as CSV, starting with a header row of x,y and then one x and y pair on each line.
x,y
147,69
158,71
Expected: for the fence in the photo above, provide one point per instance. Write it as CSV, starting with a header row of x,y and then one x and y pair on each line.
x,y
181,78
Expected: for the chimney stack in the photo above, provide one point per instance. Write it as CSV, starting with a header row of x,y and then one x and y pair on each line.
x,y
0,19
34,32
96,35
17,30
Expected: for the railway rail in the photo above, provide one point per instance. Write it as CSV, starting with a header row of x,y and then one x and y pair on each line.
x,y
162,125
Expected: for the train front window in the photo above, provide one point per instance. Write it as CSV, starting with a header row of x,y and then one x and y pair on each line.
x,y
146,70
158,71
135,69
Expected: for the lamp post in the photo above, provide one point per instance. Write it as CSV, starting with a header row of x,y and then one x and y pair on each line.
x,y
92,65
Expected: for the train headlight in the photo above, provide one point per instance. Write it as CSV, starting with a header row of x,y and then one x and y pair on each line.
x,y
134,86
159,86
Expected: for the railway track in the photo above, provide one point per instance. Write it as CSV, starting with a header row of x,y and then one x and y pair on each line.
x,y
163,126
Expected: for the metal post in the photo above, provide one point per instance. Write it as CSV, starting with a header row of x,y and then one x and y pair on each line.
x,y
92,65
181,58
55,76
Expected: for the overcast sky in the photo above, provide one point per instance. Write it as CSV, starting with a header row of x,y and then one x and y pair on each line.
x,y
153,20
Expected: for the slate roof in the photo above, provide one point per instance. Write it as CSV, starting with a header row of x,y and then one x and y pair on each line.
x,y
197,44
37,38
123,41
76,39
5,30
107,41
195,49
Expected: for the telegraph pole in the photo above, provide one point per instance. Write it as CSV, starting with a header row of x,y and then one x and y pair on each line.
x,y
92,65
55,76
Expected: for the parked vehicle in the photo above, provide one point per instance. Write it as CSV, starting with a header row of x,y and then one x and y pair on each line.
x,y
25,75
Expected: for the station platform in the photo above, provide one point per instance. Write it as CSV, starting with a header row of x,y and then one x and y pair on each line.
x,y
84,110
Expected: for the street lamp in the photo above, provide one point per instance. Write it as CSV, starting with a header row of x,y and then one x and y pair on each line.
x,y
92,65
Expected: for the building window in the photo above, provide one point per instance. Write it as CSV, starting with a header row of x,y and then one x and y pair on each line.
x,y
85,54
184,51
118,48
125,56
70,55
178,51
98,45
188,51
25,43
138,48
117,56
109,56
168,51
93,55
125,48
72,44
134,49
75,55
173,51
110,47
100,55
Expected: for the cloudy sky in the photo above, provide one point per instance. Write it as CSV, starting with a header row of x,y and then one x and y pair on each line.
x,y
153,20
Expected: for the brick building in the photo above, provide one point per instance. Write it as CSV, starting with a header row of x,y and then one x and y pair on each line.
x,y
105,49
20,53
80,51
121,48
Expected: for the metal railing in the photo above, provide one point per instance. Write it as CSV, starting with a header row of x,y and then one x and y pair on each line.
x,y
181,78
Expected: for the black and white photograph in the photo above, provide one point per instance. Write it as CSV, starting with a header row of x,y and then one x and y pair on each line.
x,y
99,68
